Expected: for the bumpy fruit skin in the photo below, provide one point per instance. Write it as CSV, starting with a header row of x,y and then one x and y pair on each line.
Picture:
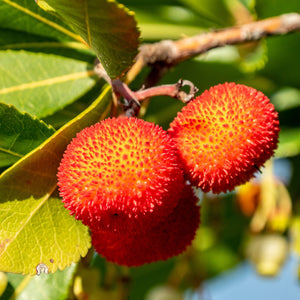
x,y
169,238
225,135
119,174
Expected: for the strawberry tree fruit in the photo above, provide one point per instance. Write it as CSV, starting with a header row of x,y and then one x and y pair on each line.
x,y
225,135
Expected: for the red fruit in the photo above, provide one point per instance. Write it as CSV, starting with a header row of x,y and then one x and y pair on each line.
x,y
225,135
169,238
120,173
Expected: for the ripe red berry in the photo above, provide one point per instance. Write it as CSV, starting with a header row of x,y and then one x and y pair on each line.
x,y
120,173
225,135
169,238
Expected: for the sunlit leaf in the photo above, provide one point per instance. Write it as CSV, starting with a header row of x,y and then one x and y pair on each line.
x,y
39,235
19,134
35,228
108,27
41,84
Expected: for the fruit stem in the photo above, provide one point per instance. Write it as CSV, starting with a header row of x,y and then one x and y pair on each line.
x,y
172,90
132,99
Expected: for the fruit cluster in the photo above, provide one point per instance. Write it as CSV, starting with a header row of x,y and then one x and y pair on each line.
x,y
132,182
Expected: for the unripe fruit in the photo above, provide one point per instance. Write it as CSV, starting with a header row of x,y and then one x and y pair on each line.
x,y
169,238
164,292
120,173
267,252
225,135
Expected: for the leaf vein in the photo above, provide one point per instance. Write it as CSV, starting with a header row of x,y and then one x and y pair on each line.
x,y
47,82
13,153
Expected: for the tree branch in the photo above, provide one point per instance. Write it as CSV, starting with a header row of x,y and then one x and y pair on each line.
x,y
164,54
172,52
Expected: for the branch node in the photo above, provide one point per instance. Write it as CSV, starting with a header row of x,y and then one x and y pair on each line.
x,y
183,96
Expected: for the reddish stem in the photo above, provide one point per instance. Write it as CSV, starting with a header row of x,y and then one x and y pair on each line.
x,y
132,99
171,90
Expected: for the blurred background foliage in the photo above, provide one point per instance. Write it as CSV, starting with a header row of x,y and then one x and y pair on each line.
x,y
245,224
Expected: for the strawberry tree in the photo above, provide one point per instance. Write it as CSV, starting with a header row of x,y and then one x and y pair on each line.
x,y
116,122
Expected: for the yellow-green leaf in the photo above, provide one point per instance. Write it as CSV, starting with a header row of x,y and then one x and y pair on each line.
x,y
34,225
106,26
39,235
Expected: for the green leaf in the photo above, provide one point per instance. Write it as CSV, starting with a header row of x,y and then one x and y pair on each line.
x,y
19,134
26,16
44,287
108,27
35,227
289,142
41,84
